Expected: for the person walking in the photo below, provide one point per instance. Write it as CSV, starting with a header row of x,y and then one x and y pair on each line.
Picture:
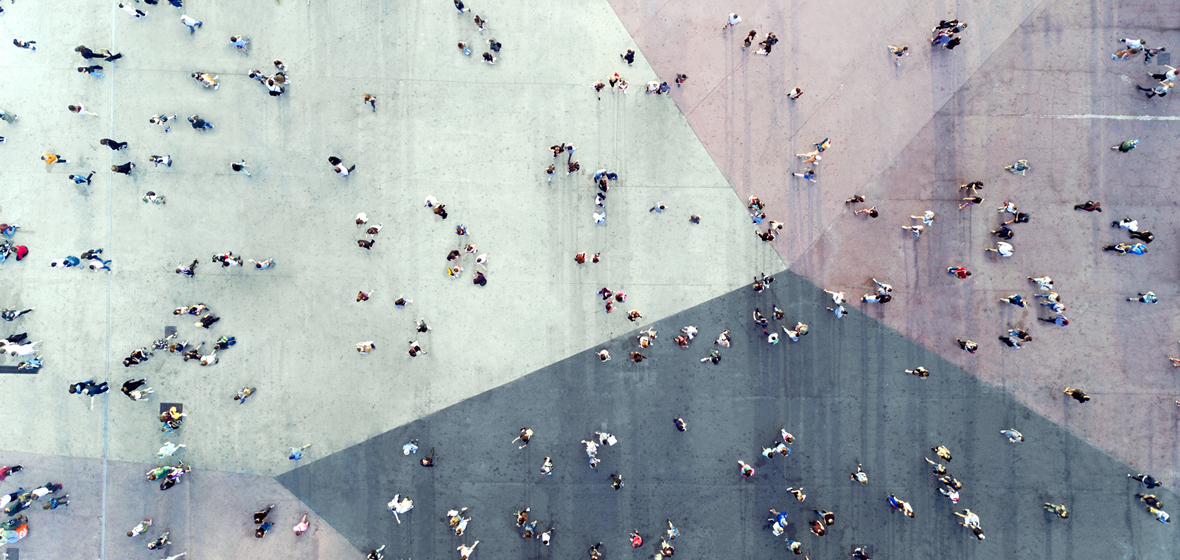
x,y
115,145
338,166
901,506
1019,168
301,527
1160,88
141,527
7,470
1004,249
168,449
526,434
241,43
162,120
958,271
750,37
131,10
189,270
1145,297
1169,76
1146,479
870,212
88,387
810,175
970,201
131,385
295,455
191,23
56,501
81,110
1077,394
1059,320
927,218
1150,500
746,470
102,53
78,179
1125,146
465,551
415,349
898,52
1015,299
198,123
731,21
1058,509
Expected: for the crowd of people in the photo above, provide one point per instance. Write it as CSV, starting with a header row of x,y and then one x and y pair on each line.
x,y
947,34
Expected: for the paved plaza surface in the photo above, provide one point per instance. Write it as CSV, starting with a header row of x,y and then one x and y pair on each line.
x,y
841,390
1030,81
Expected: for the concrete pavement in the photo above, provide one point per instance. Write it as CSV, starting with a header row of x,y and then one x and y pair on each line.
x,y
475,136
1031,80
841,391
1014,108
207,513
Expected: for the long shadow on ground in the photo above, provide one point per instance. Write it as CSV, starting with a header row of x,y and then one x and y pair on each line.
x,y
841,390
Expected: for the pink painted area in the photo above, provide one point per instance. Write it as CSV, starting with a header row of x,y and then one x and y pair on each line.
x,y
906,137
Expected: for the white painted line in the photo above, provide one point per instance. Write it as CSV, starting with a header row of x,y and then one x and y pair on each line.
x,y
1107,117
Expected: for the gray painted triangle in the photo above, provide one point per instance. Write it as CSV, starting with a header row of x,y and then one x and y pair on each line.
x,y
841,390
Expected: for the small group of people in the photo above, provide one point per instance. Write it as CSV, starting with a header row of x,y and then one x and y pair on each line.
x,y
264,525
14,345
757,211
813,159
8,247
1142,237
1154,505
663,548
170,475
159,543
592,445
528,529
20,500
767,44
1004,233
96,264
277,83
946,34
480,22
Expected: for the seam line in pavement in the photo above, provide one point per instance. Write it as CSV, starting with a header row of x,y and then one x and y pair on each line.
x,y
728,75
106,407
